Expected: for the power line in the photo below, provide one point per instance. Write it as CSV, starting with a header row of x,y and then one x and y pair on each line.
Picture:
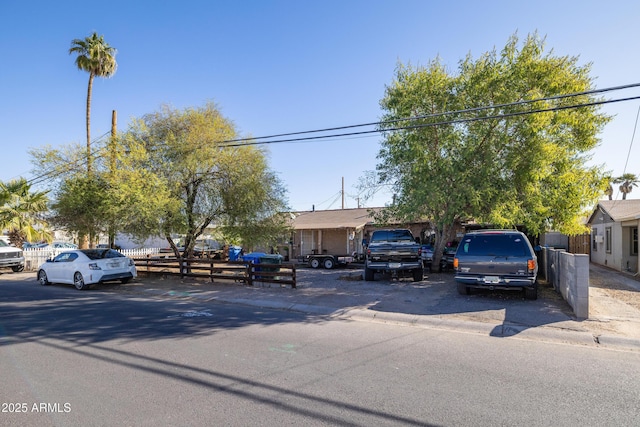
x,y
423,125
425,116
380,124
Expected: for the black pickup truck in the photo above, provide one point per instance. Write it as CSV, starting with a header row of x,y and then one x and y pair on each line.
x,y
395,252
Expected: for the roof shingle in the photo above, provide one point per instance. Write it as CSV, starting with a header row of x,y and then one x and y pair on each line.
x,y
332,219
621,210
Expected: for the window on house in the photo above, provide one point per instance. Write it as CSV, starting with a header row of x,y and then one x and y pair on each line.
x,y
607,239
634,241
594,240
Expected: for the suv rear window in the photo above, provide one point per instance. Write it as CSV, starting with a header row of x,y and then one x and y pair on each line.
x,y
495,245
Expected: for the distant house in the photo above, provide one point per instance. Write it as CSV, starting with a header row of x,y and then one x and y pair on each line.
x,y
614,234
336,232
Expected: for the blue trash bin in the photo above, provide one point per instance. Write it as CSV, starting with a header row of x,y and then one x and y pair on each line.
x,y
234,253
274,262
253,257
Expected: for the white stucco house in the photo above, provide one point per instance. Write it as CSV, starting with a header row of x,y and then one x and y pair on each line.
x,y
614,234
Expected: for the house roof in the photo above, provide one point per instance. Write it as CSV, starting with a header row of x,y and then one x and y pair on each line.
x,y
331,219
621,210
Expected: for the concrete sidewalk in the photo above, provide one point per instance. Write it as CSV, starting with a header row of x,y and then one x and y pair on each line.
x,y
614,320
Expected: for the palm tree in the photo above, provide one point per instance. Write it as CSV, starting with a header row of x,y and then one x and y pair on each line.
x,y
609,190
21,212
97,58
627,181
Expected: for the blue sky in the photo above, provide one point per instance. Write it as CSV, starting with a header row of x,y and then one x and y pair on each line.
x,y
285,66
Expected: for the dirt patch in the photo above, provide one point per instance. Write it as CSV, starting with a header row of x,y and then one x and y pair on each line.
x,y
615,285
627,296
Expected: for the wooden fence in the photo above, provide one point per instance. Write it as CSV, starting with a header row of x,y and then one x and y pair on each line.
x,y
580,244
212,269
151,262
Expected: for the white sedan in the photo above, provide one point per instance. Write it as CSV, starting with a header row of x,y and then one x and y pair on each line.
x,y
83,267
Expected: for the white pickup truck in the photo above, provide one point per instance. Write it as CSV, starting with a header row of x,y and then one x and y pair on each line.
x,y
10,256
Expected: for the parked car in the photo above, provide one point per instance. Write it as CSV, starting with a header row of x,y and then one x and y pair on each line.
x,y
84,267
496,259
207,249
446,262
10,256
63,245
30,245
52,245
427,256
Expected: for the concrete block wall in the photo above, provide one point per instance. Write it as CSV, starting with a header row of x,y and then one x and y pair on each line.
x,y
569,275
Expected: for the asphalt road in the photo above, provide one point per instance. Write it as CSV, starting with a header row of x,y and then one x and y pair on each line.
x,y
104,357
433,302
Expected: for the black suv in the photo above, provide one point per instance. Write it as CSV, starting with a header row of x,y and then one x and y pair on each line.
x,y
496,259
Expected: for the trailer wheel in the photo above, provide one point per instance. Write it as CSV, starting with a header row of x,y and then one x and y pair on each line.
x,y
328,263
314,262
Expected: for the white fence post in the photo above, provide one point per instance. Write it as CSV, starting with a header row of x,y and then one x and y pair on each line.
x,y
34,257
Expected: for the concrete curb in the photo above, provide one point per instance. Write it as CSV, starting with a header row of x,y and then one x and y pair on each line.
x,y
538,333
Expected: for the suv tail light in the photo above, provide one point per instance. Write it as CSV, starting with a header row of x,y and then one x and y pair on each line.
x,y
455,263
531,265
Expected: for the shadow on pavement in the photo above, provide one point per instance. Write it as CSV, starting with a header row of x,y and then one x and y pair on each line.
x,y
320,293
33,312
437,296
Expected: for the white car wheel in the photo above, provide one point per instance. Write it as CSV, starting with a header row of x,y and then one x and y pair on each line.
x,y
78,281
42,278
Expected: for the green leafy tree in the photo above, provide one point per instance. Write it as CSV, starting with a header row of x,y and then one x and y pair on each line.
x,y
78,197
139,199
22,212
169,174
470,147
211,183
119,196
97,58
80,206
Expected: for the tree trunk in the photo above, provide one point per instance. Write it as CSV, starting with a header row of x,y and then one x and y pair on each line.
x,y
444,234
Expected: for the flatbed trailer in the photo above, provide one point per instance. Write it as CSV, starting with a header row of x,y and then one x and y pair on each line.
x,y
327,261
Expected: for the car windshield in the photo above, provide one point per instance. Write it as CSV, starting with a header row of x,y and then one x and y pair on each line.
x,y
495,245
3,244
101,253
392,236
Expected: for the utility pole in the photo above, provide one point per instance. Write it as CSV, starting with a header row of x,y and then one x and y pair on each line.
x,y
343,192
112,151
112,169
